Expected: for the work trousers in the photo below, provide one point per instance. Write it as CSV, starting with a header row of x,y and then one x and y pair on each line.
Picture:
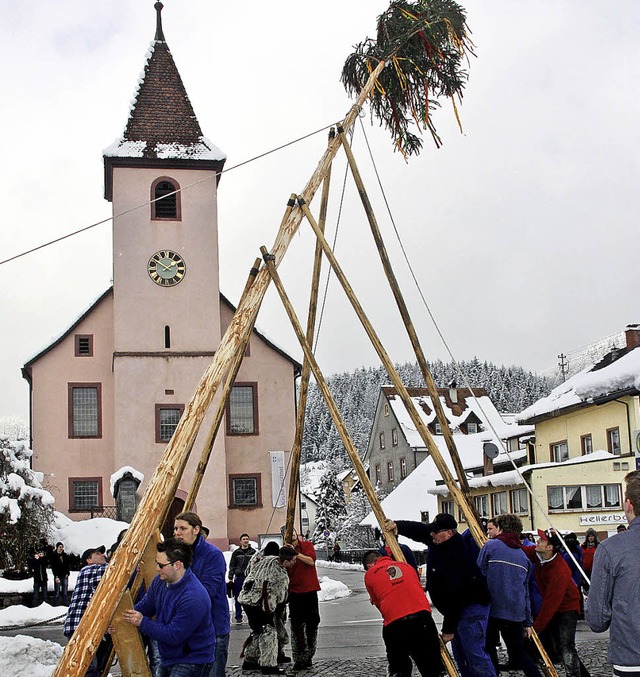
x,y
304,615
469,642
513,634
562,631
414,636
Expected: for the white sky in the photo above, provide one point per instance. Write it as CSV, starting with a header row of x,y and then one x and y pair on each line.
x,y
523,230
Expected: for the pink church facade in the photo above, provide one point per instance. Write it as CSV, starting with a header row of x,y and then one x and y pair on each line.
x,y
110,391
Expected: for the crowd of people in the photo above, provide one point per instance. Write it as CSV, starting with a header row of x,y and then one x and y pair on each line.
x,y
508,588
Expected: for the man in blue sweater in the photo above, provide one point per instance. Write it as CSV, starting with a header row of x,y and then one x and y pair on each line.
x,y
183,627
508,572
210,569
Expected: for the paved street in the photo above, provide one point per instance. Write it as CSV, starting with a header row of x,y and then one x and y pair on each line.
x,y
350,641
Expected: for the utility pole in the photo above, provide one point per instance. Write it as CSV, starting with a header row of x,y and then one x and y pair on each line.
x,y
564,365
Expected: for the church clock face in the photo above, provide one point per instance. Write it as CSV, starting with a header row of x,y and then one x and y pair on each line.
x,y
166,268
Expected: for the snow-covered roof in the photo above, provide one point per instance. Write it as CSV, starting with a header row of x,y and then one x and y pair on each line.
x,y
119,474
512,478
594,382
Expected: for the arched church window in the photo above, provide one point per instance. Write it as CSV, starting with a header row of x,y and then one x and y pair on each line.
x,y
165,200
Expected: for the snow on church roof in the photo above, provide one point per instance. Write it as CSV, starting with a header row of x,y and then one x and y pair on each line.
x,y
589,384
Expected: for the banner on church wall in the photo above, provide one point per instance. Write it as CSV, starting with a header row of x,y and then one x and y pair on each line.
x,y
278,488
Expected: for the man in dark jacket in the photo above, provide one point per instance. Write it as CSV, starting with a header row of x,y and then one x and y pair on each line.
x,y
558,614
457,589
614,602
182,609
38,569
508,571
59,561
237,570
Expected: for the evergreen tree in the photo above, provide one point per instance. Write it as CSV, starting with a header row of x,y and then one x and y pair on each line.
x,y
26,509
332,511
357,509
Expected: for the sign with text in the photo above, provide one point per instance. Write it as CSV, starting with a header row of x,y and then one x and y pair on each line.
x,y
611,518
278,489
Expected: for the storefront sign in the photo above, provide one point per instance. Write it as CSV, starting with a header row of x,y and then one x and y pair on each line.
x,y
612,518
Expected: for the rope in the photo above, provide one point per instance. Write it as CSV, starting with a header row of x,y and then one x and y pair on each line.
x,y
149,202
4,628
456,365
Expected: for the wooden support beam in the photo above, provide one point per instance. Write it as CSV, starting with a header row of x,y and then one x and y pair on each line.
x,y
422,429
128,643
406,319
294,477
77,654
365,482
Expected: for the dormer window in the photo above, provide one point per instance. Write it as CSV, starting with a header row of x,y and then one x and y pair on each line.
x,y
165,203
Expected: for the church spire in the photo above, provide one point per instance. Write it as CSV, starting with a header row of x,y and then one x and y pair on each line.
x,y
159,34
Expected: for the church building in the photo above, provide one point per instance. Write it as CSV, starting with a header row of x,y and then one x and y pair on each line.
x,y
107,395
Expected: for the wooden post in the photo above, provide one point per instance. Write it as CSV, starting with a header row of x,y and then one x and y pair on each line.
x,y
207,449
406,319
445,473
294,478
77,654
365,482
128,643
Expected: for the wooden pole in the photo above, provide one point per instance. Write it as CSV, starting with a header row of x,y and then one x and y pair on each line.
x,y
294,478
79,651
365,482
406,319
474,527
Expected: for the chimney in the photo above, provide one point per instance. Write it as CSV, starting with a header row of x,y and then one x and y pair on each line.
x,y
632,333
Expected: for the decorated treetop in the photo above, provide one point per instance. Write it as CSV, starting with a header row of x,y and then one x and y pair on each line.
x,y
427,43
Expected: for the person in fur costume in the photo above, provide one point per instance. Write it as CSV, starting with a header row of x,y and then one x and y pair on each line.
x,y
263,594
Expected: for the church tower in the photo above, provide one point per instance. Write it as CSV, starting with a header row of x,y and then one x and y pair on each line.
x,y
161,178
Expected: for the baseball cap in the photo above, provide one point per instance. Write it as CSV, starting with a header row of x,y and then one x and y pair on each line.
x,y
441,522
89,551
551,536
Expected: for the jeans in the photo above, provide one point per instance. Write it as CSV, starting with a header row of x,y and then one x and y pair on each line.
x,y
237,587
187,670
61,587
220,660
562,630
469,643
39,593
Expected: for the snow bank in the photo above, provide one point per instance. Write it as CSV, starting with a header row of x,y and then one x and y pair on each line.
x,y
23,656
19,614
26,585
330,589
78,536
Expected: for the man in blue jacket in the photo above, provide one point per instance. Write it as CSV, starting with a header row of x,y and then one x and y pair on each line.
x,y
614,602
183,627
210,569
508,572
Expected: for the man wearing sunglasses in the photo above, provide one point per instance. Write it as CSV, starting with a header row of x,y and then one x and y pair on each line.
x,y
183,626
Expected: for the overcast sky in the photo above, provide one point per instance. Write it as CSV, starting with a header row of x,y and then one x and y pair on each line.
x,y
523,231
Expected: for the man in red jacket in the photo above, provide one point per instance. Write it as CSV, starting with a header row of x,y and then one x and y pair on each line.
x,y
560,608
409,630
304,613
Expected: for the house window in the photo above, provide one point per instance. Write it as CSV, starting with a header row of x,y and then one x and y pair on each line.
x,y
85,409
519,502
390,471
303,505
482,505
242,410
83,345
403,468
613,441
499,503
386,410
424,516
559,451
167,337
165,200
394,437
84,493
472,428
378,473
437,428
167,419
585,497
245,491
381,440
447,506
586,444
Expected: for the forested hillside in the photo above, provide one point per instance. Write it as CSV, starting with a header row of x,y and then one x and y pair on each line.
x,y
356,393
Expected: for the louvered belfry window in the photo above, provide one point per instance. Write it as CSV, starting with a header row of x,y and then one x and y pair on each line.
x,y
166,200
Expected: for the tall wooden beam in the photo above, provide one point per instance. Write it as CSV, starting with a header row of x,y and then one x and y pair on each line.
x,y
162,487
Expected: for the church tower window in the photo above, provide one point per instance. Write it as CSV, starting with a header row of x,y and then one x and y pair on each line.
x,y
165,203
